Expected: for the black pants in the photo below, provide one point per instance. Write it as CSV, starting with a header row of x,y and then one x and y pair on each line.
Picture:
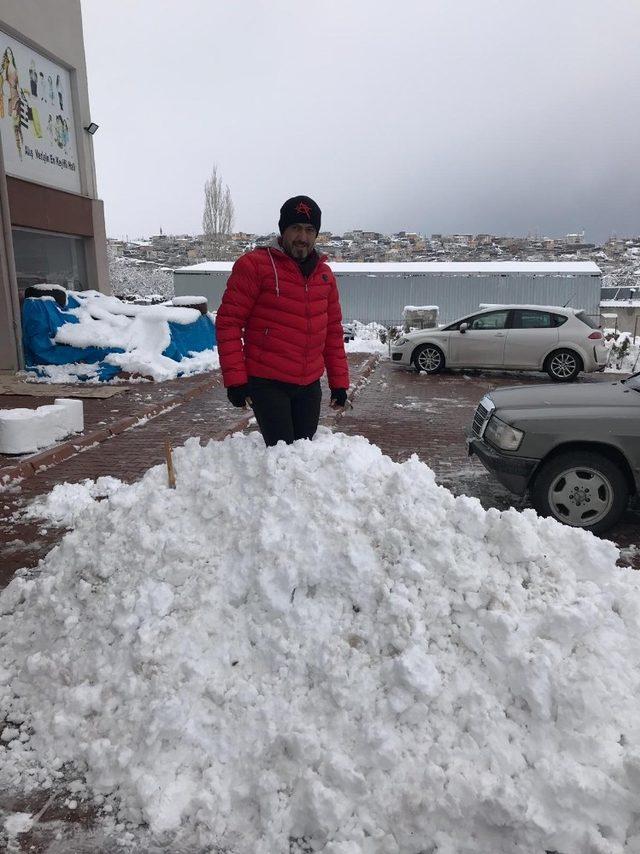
x,y
285,411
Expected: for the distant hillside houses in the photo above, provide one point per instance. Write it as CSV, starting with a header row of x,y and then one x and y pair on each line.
x,y
618,258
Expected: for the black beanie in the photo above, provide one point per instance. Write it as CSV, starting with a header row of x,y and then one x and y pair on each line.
x,y
299,209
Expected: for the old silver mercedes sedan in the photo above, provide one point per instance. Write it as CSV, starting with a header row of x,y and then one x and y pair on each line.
x,y
575,450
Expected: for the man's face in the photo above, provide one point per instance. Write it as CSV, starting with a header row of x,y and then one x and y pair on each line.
x,y
298,240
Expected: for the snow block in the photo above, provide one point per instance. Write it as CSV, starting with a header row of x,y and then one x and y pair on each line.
x,y
23,431
72,413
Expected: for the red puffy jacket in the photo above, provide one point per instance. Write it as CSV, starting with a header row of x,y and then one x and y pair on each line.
x,y
274,323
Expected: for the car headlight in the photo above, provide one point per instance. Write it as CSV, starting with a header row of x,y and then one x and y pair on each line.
x,y
399,342
503,435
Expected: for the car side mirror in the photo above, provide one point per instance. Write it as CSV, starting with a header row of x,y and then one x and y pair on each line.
x,y
463,327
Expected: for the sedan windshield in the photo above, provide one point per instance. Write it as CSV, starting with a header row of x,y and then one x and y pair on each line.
x,y
633,382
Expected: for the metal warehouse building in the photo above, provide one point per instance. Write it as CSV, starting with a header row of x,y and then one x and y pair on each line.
x,y
379,291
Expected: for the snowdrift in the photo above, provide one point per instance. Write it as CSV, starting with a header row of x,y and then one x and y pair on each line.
x,y
314,643
94,337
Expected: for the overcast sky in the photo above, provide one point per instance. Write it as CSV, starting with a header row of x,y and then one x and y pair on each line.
x,y
502,116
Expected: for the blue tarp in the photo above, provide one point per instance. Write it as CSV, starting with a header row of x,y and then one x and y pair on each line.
x,y
190,338
41,319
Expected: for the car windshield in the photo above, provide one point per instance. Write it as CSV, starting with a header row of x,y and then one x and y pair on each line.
x,y
633,381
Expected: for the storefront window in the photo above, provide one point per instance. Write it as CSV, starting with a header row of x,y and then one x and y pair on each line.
x,y
52,258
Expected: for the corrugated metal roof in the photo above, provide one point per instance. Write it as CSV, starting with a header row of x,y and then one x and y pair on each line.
x,y
434,267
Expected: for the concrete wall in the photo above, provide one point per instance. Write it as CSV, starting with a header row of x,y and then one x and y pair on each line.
x,y
381,298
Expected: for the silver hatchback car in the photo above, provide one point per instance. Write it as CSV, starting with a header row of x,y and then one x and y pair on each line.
x,y
561,341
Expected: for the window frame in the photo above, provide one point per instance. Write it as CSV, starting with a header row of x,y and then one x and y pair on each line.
x,y
518,312
455,327
79,253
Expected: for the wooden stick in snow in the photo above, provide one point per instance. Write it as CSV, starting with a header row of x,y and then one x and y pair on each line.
x,y
171,474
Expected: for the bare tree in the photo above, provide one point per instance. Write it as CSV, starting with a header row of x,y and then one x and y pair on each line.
x,y
219,213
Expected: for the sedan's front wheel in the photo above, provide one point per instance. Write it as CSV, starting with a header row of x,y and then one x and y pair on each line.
x,y
583,489
428,358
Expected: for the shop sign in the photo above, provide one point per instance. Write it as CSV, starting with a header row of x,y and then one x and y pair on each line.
x,y
37,130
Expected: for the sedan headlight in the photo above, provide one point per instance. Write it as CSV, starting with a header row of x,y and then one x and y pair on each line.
x,y
399,342
503,435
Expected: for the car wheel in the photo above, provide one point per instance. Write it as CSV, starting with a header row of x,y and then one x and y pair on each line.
x,y
583,489
428,358
563,366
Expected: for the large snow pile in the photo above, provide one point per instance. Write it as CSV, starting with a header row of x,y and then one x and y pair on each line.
x,y
315,643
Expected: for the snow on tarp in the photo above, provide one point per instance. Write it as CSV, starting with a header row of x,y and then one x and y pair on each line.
x,y
188,300
42,317
313,642
110,335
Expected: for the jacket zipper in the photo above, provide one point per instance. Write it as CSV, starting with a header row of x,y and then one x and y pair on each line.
x,y
305,282
306,306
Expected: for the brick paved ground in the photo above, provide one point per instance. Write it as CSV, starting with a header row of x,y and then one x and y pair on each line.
x,y
401,411
133,400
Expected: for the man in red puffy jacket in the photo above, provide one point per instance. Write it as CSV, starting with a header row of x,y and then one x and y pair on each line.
x,y
279,327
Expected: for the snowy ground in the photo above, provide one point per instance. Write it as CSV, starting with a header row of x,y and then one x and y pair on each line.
x,y
313,648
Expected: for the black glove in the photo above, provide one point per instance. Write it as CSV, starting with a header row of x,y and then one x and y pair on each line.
x,y
339,396
238,394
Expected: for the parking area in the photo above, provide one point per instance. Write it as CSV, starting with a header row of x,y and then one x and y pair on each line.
x,y
406,413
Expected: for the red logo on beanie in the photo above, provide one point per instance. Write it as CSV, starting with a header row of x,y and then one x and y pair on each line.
x,y
303,208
